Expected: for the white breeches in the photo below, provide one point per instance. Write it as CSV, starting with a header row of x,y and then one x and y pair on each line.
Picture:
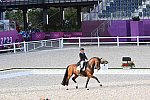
x,y
81,64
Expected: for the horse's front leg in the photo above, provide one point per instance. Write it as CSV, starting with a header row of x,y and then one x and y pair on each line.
x,y
97,80
74,79
87,82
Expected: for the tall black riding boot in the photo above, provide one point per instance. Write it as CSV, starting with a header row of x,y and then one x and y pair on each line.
x,y
81,70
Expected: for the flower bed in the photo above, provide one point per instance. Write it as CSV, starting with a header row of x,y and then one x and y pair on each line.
x,y
129,64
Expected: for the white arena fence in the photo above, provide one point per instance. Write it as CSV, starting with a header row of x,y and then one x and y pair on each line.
x,y
34,45
30,46
137,40
78,41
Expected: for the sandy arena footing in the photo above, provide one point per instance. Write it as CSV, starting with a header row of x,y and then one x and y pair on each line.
x,y
35,84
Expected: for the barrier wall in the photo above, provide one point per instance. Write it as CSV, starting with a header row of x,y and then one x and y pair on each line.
x,y
9,36
52,35
119,28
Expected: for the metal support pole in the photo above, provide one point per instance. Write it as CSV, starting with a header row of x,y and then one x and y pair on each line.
x,y
61,16
45,16
25,18
79,16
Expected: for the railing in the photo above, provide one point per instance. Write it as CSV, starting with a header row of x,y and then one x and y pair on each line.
x,y
34,45
12,47
78,41
107,16
28,2
101,28
30,46
101,13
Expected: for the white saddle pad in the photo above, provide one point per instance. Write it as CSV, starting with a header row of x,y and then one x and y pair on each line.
x,y
78,67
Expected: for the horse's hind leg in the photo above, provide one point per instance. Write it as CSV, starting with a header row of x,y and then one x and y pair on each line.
x,y
97,80
74,79
67,82
87,82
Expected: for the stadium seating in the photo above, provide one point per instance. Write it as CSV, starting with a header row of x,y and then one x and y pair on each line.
x,y
119,9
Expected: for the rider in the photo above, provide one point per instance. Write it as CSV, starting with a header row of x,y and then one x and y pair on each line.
x,y
82,59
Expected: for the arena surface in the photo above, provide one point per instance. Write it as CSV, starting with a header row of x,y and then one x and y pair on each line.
x,y
115,87
29,86
61,58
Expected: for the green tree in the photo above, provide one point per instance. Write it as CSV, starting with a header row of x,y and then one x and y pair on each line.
x,y
36,18
15,15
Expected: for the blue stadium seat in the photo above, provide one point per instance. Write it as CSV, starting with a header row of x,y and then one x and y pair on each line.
x,y
123,8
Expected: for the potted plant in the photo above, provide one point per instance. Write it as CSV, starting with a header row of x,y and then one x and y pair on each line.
x,y
104,65
128,65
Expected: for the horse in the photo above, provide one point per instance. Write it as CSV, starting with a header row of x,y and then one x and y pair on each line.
x,y
93,63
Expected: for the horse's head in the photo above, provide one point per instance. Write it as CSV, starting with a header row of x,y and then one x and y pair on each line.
x,y
94,63
98,62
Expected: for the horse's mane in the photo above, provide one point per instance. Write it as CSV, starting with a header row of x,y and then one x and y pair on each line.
x,y
99,59
96,58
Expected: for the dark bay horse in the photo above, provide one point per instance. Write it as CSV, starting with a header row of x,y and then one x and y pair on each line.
x,y
93,63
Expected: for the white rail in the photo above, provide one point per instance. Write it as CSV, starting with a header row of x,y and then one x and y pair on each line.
x,y
30,46
79,41
103,40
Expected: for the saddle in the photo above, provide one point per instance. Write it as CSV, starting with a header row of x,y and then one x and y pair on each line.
x,y
83,66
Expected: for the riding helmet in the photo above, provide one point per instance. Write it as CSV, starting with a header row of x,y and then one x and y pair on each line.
x,y
82,49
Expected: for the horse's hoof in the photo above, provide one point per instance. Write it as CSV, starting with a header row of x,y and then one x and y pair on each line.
x,y
76,87
101,85
87,88
67,89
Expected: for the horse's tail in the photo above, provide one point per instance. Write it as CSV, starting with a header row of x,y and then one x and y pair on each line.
x,y
65,77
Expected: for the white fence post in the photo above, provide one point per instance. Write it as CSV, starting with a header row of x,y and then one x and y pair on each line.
x,y
42,44
25,49
27,46
138,44
98,41
51,43
117,41
59,43
14,47
62,42
79,42
34,45
45,43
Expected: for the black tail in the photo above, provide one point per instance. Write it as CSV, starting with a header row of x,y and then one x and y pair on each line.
x,y
65,77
